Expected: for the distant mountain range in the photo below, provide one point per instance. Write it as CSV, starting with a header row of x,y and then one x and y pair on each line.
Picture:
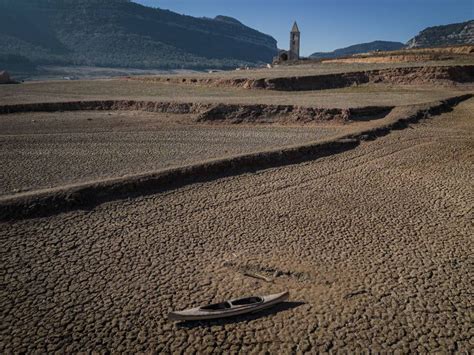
x,y
454,34
360,48
447,35
121,33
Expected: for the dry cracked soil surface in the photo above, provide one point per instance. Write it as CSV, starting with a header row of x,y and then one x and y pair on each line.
x,y
374,244
43,150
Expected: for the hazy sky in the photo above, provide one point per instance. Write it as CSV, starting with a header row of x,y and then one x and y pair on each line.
x,y
330,24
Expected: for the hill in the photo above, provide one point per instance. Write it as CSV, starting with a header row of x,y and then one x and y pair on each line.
x,y
453,34
228,20
120,33
360,48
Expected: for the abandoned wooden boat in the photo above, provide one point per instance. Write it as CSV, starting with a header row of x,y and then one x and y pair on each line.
x,y
230,308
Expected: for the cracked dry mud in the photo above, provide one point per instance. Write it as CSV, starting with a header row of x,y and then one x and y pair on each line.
x,y
72,147
374,244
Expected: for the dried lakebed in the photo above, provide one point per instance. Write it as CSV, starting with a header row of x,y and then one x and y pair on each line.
x,y
85,195
375,245
40,150
418,75
119,89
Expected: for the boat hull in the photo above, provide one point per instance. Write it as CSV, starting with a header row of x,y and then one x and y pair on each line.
x,y
200,314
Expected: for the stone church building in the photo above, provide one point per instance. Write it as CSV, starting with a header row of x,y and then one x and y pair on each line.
x,y
294,52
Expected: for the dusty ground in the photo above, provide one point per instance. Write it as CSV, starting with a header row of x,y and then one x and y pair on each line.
x,y
316,68
358,96
40,150
54,72
374,244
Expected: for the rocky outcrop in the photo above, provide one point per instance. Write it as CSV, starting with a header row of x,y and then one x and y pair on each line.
x,y
453,34
406,76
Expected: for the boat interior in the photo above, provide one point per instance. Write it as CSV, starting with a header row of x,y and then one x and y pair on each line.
x,y
217,306
227,305
247,301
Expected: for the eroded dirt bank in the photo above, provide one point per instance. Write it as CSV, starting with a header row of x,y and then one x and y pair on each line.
x,y
212,112
45,202
84,146
463,52
407,75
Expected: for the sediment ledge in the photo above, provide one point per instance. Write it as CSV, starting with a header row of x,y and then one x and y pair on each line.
x,y
403,76
204,113
288,113
106,105
87,195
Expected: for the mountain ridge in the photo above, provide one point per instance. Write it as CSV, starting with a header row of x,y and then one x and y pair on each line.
x,y
121,33
444,35
436,36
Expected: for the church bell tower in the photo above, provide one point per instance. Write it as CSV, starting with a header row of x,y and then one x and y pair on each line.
x,y
295,36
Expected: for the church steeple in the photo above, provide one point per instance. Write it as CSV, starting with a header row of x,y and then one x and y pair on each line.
x,y
295,28
295,36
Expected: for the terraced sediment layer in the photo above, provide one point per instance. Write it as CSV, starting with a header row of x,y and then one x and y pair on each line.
x,y
44,150
462,52
404,75
374,244
383,59
210,112
123,89
89,194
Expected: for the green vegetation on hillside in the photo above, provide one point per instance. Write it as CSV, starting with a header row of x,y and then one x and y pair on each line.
x,y
120,33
